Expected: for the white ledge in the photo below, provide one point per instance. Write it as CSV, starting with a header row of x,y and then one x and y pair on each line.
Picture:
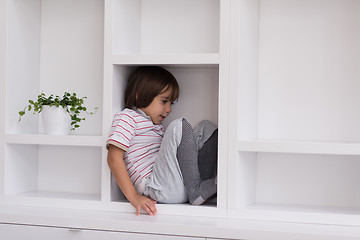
x,y
342,148
172,225
64,140
167,59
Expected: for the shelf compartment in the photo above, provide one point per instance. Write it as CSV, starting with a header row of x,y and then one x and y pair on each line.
x,y
163,26
306,89
61,140
198,78
45,54
341,148
210,59
46,171
314,182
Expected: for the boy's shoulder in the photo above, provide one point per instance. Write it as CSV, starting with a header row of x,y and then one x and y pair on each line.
x,y
128,111
140,119
135,115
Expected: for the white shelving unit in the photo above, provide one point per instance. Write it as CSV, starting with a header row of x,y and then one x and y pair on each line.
x,y
279,77
296,157
190,48
90,47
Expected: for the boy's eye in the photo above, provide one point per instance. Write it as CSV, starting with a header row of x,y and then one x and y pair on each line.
x,y
166,101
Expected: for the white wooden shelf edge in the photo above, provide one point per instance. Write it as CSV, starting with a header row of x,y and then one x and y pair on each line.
x,y
93,201
167,59
184,209
341,148
298,214
59,195
64,140
209,228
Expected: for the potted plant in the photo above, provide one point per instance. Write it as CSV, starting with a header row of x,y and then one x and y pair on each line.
x,y
60,115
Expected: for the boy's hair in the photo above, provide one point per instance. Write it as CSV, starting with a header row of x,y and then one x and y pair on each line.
x,y
146,82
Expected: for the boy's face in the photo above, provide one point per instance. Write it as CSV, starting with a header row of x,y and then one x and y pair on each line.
x,y
159,108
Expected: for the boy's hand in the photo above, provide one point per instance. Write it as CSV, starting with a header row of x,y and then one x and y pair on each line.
x,y
142,202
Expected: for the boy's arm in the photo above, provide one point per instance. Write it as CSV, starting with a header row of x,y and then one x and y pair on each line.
x,y
118,169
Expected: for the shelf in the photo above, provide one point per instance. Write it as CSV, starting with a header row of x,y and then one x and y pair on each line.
x,y
64,140
181,209
59,195
341,148
349,216
167,59
205,227
305,208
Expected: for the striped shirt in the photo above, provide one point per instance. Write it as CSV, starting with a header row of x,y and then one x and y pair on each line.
x,y
134,132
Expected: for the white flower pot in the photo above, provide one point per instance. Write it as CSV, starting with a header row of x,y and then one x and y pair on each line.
x,y
56,120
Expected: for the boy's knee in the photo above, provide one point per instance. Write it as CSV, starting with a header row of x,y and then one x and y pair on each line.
x,y
175,124
206,125
180,123
186,124
206,122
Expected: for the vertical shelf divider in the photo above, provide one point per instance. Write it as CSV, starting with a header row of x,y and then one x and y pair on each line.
x,y
107,97
3,51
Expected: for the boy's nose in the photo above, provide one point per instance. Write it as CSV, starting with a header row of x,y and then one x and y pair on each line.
x,y
168,108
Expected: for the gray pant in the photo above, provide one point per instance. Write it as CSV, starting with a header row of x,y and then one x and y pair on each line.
x,y
166,183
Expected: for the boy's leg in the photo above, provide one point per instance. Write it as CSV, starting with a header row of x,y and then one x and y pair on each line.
x,y
165,184
198,190
206,135
207,157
